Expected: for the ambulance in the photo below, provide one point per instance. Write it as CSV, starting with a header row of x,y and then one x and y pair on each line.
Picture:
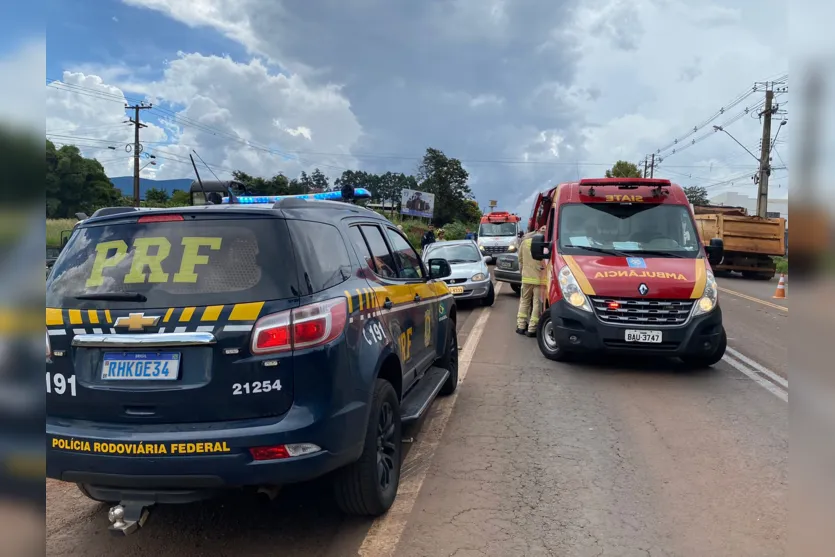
x,y
627,272
498,233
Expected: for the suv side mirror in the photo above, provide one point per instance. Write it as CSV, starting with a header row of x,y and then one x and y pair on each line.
x,y
439,268
715,251
540,249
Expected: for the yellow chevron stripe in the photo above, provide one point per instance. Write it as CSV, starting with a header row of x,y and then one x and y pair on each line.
x,y
167,315
350,302
246,312
75,317
186,314
701,279
54,317
107,316
211,313
94,316
585,286
359,295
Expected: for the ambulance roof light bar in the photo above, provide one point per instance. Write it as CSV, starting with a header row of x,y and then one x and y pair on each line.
x,y
359,193
625,184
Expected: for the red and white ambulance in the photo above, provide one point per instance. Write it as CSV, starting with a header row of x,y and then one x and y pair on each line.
x,y
627,272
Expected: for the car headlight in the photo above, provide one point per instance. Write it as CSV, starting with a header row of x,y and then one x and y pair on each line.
x,y
511,248
478,277
710,297
481,247
571,291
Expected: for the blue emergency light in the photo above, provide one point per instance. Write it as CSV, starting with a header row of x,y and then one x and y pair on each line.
x,y
359,193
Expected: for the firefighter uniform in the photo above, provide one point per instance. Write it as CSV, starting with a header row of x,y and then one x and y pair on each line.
x,y
533,282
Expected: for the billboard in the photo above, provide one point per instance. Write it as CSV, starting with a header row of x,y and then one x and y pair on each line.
x,y
417,203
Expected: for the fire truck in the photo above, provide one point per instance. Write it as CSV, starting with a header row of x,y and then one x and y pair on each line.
x,y
499,233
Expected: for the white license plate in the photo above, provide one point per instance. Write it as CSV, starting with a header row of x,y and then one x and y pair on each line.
x,y
643,336
141,366
504,264
456,289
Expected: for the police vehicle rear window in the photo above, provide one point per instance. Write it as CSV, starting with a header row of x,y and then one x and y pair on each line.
x,y
195,262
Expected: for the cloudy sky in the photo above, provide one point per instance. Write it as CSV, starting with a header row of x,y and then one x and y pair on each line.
x,y
527,93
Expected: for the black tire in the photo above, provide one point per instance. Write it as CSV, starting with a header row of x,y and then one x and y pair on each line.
x,y
517,289
86,493
758,275
490,298
701,362
368,487
449,361
545,339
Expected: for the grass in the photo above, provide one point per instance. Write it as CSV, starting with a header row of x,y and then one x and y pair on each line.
x,y
782,265
54,228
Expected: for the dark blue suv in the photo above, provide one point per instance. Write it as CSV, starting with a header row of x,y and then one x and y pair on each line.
x,y
197,349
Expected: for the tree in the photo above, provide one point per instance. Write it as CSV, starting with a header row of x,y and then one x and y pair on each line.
x,y
697,195
76,184
180,198
156,196
446,178
319,180
306,182
624,169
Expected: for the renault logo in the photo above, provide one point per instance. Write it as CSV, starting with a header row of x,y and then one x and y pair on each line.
x,y
643,289
137,321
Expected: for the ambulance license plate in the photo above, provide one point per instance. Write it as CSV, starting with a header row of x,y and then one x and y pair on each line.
x,y
141,366
643,336
456,289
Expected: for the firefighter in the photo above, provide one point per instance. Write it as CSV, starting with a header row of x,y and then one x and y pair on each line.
x,y
533,283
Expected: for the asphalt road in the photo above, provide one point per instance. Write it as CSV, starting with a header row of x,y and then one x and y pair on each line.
x,y
530,457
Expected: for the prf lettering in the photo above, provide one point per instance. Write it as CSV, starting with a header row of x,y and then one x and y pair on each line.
x,y
639,274
148,255
102,447
406,345
625,198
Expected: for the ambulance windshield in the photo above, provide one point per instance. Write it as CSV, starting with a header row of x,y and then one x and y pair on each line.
x,y
497,229
654,229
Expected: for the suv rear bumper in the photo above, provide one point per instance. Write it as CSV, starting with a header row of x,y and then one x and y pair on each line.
x,y
162,477
580,331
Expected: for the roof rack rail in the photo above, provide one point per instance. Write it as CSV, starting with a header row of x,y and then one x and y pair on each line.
x,y
104,211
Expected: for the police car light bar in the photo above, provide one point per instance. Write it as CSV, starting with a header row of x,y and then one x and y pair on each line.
x,y
359,193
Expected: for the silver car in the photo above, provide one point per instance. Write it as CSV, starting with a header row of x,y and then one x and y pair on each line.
x,y
470,278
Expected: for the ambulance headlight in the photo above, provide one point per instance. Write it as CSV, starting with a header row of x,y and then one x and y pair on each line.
x,y
710,297
571,290
511,248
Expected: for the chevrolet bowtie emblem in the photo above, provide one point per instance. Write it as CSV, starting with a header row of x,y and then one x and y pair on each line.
x,y
137,321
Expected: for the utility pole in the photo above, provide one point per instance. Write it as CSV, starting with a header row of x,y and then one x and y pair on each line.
x,y
137,147
765,156
646,161
652,167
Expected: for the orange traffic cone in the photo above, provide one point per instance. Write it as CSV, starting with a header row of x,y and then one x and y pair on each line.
x,y
781,288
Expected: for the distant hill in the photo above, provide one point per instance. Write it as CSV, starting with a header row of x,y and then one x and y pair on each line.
x,y
125,184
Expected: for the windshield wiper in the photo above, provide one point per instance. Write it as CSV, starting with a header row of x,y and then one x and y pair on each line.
x,y
614,252
115,297
656,253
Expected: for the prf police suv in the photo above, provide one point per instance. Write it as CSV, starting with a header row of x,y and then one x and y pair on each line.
x,y
241,345
627,272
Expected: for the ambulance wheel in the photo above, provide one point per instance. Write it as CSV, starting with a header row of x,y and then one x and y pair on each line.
x,y
368,486
547,341
86,493
517,289
701,362
490,298
449,362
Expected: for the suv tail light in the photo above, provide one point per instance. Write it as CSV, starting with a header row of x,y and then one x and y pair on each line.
x,y
304,327
48,346
159,218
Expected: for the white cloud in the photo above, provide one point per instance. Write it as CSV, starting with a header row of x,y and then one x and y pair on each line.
x,y
22,99
556,84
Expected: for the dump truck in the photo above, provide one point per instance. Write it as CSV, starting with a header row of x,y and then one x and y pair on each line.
x,y
750,242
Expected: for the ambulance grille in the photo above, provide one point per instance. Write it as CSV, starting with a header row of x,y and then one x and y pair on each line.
x,y
642,312
491,250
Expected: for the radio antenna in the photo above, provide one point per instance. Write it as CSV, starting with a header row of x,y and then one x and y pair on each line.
x,y
199,181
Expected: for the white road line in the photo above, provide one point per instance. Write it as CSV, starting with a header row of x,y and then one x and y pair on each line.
x,y
765,371
385,532
754,376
